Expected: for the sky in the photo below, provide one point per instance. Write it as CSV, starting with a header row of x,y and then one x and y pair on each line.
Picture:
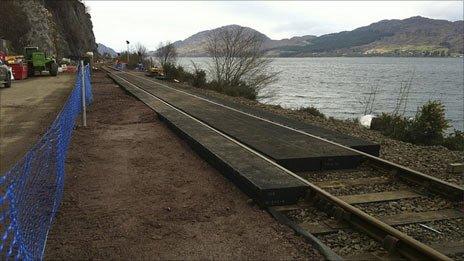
x,y
150,22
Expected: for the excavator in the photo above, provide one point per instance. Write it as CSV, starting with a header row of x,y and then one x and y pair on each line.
x,y
156,72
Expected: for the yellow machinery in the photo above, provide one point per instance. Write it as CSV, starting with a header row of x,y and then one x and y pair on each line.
x,y
155,72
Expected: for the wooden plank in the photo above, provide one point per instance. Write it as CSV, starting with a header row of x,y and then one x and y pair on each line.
x,y
299,205
373,256
351,182
287,208
418,217
456,168
325,227
379,197
449,248
404,218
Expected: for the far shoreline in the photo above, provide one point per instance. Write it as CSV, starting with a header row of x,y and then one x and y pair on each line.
x,y
302,57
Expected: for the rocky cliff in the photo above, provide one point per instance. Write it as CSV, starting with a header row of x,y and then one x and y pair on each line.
x,y
62,28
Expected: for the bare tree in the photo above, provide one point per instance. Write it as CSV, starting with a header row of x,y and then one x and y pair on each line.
x,y
403,95
166,54
368,101
142,53
237,59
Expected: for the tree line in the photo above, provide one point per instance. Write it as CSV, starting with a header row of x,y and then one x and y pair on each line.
x,y
237,65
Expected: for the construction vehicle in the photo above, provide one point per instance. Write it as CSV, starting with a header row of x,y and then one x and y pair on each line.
x,y
38,61
156,72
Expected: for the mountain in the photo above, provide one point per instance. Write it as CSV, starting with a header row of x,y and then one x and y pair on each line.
x,y
103,49
62,28
195,44
415,36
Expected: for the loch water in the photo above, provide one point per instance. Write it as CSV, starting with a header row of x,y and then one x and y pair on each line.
x,y
340,86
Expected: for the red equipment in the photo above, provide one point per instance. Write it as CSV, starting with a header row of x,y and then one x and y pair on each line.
x,y
19,71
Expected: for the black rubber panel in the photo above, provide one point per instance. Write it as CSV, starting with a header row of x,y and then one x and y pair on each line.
x,y
343,139
293,150
260,179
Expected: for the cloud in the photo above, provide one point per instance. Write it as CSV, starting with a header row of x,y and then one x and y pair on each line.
x,y
449,10
151,22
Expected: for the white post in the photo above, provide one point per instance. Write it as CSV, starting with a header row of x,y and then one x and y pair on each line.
x,y
84,116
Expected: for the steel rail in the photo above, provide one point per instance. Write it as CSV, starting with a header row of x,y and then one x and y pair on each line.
x,y
392,239
446,189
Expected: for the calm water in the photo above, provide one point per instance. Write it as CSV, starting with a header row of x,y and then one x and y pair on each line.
x,y
338,86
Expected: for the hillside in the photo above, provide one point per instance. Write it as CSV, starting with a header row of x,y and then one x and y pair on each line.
x,y
62,28
105,50
415,36
195,44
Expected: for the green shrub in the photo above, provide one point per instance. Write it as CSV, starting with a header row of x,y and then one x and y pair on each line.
x,y
391,125
312,110
196,79
429,124
454,141
426,128
238,90
172,72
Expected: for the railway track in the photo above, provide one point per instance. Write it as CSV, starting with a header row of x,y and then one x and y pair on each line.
x,y
377,210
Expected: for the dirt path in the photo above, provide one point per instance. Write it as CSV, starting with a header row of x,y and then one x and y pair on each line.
x,y
26,110
135,190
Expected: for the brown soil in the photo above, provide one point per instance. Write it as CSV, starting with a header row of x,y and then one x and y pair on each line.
x,y
135,190
26,111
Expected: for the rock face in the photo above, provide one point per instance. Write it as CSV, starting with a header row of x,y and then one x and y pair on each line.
x,y
62,28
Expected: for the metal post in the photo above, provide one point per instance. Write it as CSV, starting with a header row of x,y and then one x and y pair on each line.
x,y
127,52
84,116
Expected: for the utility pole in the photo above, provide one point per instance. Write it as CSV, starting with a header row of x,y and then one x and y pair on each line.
x,y
127,42
84,115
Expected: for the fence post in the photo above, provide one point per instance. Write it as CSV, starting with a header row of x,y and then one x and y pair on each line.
x,y
84,116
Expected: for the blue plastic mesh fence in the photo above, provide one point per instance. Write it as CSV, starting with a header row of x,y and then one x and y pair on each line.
x,y
31,191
